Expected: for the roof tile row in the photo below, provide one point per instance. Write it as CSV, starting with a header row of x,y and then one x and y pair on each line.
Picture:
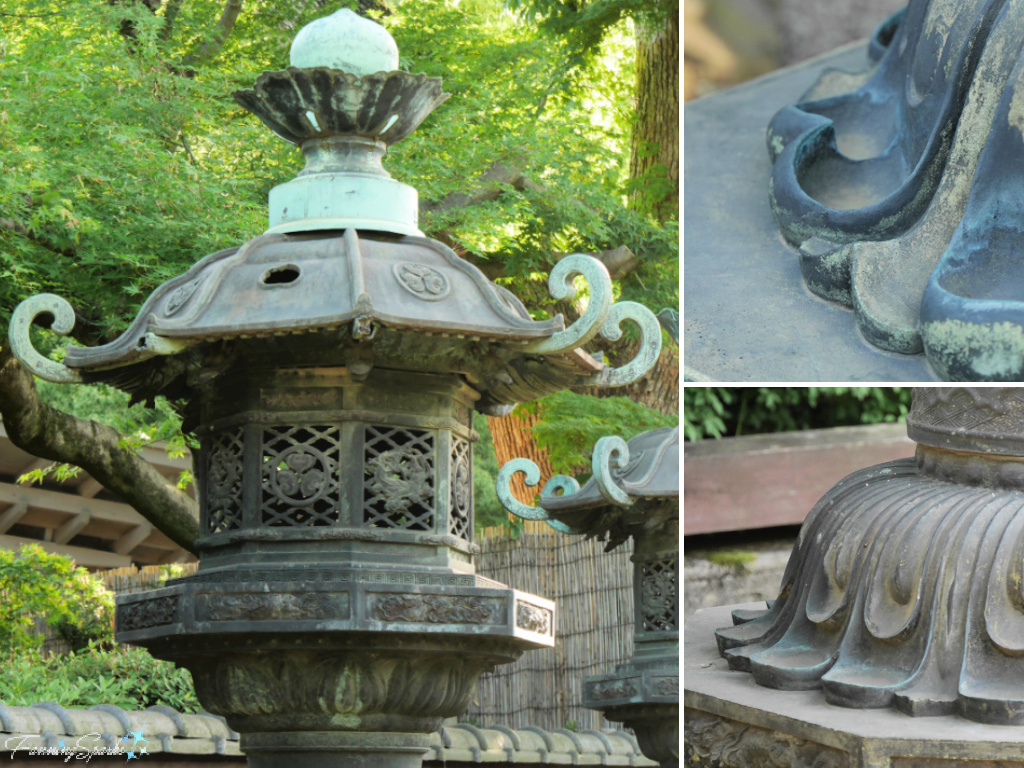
x,y
45,726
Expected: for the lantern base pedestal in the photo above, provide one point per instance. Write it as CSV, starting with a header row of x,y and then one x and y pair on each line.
x,y
327,749
644,697
731,721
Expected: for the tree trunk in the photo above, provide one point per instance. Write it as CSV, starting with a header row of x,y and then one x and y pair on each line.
x,y
42,431
655,143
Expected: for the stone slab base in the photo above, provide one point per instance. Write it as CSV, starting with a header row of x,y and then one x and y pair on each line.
x,y
749,316
731,722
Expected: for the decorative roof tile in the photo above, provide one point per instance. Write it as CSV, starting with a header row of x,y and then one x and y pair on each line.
x,y
45,725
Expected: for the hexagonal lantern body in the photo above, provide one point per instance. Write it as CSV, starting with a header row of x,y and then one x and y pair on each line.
x,y
330,368
336,610
311,464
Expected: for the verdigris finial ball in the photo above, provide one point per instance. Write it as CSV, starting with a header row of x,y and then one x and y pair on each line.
x,y
346,41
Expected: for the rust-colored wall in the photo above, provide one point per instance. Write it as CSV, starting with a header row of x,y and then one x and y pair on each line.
x,y
761,481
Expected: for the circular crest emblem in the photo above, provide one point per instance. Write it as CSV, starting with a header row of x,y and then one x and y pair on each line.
x,y
422,281
298,475
180,297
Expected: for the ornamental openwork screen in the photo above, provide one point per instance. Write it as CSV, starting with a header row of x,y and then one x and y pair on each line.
x,y
350,474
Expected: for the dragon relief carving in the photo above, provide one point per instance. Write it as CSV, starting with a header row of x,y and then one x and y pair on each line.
x,y
533,619
276,606
666,686
659,598
401,478
613,689
713,742
224,483
147,613
437,609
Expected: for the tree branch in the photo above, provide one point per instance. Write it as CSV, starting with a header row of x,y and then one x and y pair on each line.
x,y
494,177
210,48
44,431
170,15
11,225
619,261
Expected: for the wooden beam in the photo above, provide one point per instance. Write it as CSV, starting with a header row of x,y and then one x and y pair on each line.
x,y
37,500
156,455
12,515
133,538
89,488
69,503
88,558
72,527
178,556
742,483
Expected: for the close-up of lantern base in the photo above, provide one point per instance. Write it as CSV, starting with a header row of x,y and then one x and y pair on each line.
x,y
902,597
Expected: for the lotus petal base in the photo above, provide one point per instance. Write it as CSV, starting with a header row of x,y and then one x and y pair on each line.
x,y
904,590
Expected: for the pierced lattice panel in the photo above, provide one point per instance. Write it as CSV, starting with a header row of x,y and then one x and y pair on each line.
x,y
300,476
224,481
461,494
398,478
659,598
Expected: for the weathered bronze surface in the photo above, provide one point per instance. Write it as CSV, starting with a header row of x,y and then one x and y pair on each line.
x,y
633,493
904,588
319,102
897,184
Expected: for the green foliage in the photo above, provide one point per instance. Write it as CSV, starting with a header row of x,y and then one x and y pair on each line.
x,y
36,583
730,411
124,676
572,423
652,186
704,411
584,24
81,608
487,510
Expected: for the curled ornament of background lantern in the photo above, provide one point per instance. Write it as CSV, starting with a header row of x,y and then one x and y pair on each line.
x,y
899,185
329,368
904,587
633,493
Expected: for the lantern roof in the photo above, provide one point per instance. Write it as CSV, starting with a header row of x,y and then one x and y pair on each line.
x,y
310,281
343,258
634,489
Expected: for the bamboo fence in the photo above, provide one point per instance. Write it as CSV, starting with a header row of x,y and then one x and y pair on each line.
x,y
593,591
123,581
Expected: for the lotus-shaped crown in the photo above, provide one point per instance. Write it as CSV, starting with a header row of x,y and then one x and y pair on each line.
x,y
344,102
317,103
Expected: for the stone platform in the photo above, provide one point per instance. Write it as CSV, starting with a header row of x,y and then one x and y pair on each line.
x,y
731,722
748,315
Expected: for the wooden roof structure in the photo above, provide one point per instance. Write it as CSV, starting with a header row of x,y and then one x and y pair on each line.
x,y
79,517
